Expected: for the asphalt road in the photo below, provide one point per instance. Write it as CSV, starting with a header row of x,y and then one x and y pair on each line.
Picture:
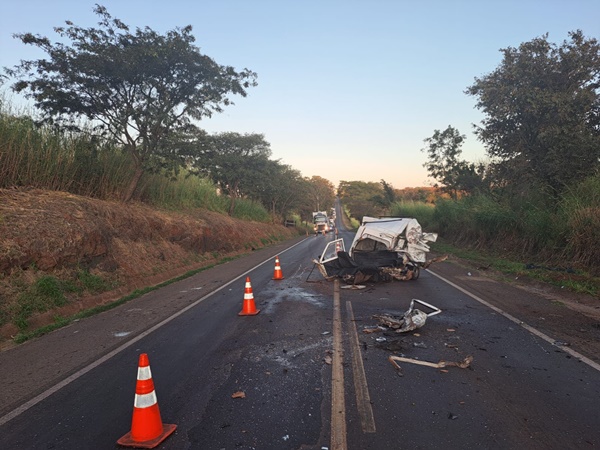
x,y
311,378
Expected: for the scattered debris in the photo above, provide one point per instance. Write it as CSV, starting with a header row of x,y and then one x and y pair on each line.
x,y
328,360
122,333
411,320
452,416
397,345
370,330
238,394
419,345
461,364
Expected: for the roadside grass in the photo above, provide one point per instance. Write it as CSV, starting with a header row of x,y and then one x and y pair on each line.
x,y
565,278
49,292
423,212
60,321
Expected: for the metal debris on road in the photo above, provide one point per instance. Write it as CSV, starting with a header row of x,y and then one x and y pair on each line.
x,y
411,320
461,364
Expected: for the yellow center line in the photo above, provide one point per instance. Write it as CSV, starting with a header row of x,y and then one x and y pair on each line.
x,y
338,406
363,400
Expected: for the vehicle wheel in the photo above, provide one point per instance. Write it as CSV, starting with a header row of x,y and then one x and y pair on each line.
x,y
416,272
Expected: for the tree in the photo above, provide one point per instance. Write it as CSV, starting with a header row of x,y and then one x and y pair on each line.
x,y
235,162
281,189
358,196
387,196
135,87
417,194
542,111
321,192
456,176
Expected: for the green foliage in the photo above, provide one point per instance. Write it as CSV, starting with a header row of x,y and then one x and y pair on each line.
x,y
417,194
92,283
46,293
235,162
423,212
358,198
182,191
282,190
45,158
457,177
541,112
140,87
530,228
247,209
580,208
320,192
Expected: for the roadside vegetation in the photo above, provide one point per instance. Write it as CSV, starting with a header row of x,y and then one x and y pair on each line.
x,y
148,146
535,201
533,205
145,149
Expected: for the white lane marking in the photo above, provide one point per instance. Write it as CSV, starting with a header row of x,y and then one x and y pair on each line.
x,y
529,328
47,393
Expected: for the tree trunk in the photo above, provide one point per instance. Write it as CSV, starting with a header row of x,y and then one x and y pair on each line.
x,y
232,205
233,194
137,175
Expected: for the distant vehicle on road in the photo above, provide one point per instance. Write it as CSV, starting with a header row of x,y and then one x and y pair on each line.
x,y
320,222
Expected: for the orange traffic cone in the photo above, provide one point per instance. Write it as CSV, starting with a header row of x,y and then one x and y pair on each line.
x,y
277,274
248,308
147,429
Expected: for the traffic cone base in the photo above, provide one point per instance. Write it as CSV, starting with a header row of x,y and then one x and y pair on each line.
x,y
147,429
248,312
277,274
248,307
128,441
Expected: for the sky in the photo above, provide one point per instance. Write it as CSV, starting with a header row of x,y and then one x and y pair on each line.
x,y
347,89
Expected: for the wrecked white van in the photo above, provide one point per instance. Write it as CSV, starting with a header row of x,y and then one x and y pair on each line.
x,y
383,249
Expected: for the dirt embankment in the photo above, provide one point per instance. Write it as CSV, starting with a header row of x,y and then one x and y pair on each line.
x,y
129,246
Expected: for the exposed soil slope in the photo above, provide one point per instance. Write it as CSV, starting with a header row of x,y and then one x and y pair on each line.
x,y
129,246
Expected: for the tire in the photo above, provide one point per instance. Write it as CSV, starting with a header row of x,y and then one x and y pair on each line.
x,y
416,273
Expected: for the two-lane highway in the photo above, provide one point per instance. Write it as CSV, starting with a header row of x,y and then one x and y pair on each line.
x,y
311,378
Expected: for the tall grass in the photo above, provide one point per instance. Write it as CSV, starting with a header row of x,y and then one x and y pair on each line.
x,y
580,207
423,212
184,191
250,210
45,158
566,232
